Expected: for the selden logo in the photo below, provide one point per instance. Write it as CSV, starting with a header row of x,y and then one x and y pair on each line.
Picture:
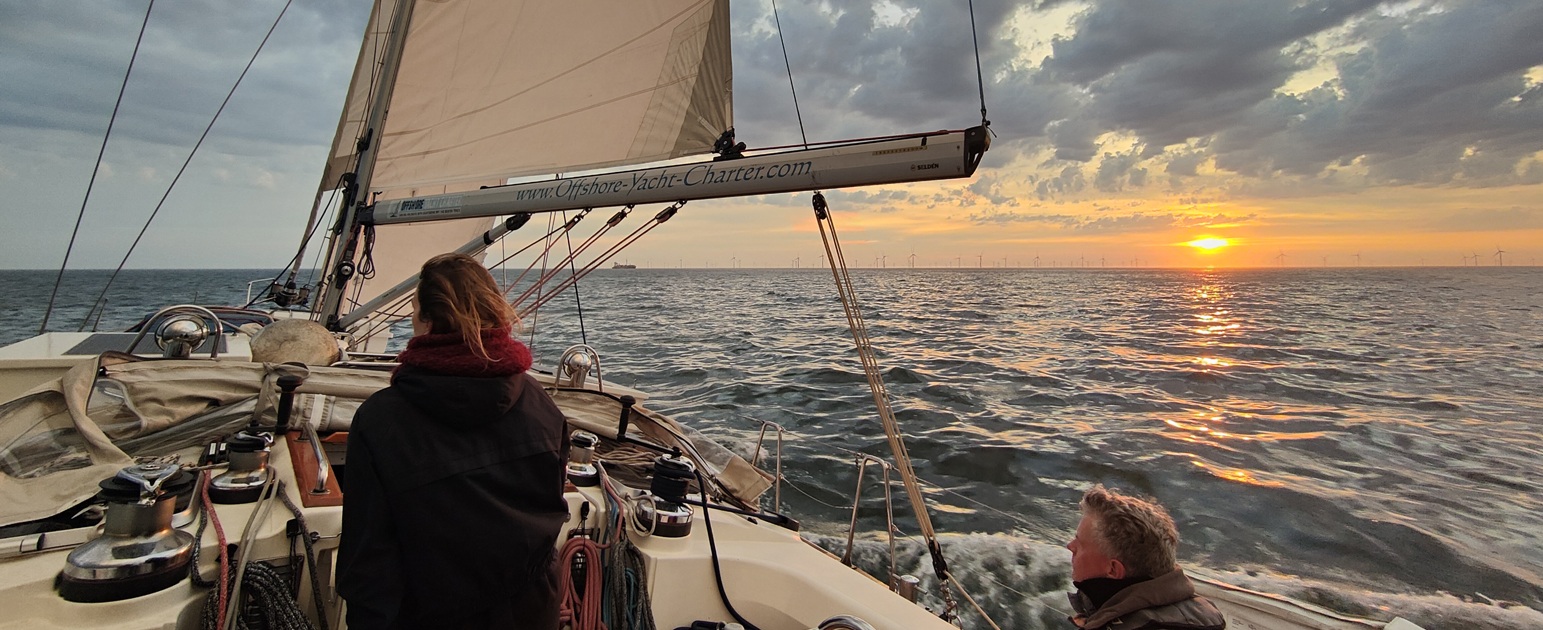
x,y
924,167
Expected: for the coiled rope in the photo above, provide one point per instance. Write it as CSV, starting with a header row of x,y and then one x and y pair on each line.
x,y
581,611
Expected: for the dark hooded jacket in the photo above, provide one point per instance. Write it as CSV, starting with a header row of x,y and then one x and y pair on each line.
x,y
453,495
1167,602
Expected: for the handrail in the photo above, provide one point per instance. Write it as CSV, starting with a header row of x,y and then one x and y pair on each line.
x,y
777,481
323,467
863,459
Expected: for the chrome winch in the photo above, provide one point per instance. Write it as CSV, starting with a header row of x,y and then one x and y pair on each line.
x,y
581,459
138,552
243,481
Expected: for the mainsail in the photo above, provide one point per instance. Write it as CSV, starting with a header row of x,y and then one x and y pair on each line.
x,y
491,90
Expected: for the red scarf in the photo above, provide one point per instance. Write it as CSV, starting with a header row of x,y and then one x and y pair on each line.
x,y
448,354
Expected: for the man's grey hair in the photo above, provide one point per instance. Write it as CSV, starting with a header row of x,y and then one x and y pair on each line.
x,y
1138,533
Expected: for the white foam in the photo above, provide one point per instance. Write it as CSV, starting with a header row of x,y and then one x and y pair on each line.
x,y
1022,583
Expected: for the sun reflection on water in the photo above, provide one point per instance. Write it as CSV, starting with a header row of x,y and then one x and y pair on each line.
x,y
1239,475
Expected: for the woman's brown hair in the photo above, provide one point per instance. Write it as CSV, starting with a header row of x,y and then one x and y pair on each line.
x,y
456,294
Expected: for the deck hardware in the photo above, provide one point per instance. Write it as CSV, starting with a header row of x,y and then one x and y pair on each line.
x,y
175,332
575,366
776,481
248,451
581,459
862,462
139,552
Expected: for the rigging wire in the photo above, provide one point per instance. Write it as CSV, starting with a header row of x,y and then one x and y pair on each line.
x,y
189,159
574,275
100,152
789,66
299,253
980,81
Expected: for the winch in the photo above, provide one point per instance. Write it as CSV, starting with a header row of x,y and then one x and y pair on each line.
x,y
581,459
670,516
243,482
139,552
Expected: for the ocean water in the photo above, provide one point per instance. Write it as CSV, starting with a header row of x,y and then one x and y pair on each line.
x,y
1364,438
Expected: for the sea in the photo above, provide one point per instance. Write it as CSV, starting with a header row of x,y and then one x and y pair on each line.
x,y
1365,439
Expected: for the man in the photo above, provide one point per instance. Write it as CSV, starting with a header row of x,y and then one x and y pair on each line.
x,y
1125,569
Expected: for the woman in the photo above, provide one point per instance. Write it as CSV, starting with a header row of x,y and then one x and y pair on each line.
x,y
453,495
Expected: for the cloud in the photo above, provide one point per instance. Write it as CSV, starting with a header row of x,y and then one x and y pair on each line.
x,y
1135,222
1431,94
72,53
1487,220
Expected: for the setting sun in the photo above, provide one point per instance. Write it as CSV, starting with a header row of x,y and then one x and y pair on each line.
x,y
1208,243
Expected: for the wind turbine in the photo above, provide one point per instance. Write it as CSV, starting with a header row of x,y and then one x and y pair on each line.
x,y
1325,261
733,261
1358,259
958,261
1500,255
1036,260
1476,259
980,260
1101,262
883,261
1280,259
913,260
795,262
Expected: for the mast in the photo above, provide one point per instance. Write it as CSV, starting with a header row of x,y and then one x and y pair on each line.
x,y
345,241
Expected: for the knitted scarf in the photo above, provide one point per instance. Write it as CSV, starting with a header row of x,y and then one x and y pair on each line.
x,y
448,354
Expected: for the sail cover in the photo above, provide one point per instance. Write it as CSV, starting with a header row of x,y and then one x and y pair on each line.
x,y
489,90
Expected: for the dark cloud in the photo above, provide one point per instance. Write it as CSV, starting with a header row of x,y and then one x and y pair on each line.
x,y
64,64
1117,171
1424,93
1170,71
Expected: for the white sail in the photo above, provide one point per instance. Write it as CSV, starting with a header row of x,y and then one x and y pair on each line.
x,y
486,91
492,90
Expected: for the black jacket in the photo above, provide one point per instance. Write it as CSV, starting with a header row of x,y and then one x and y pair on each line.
x,y
453,498
1167,601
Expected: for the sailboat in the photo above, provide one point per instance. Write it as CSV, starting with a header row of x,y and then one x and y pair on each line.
x,y
123,453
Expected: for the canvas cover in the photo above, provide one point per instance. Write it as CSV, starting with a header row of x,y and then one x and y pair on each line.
x,y
59,440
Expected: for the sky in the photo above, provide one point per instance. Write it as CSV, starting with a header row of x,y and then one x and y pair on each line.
x,y
1305,133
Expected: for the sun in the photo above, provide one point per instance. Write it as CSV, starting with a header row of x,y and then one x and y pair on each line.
x,y
1208,243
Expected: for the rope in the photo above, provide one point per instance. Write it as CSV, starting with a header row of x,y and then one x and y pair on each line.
x,y
967,598
188,161
541,299
207,514
100,152
789,66
626,577
859,328
581,612
310,558
244,548
267,595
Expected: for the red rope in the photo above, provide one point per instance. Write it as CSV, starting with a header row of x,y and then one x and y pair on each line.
x,y
219,533
582,612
